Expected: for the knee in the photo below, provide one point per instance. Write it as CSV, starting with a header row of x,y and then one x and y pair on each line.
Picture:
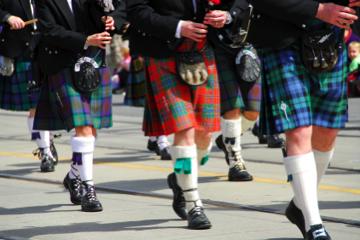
x,y
323,138
251,115
185,137
232,114
84,131
298,141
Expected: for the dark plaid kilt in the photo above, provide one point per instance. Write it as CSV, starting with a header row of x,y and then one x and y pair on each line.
x,y
135,88
294,97
14,93
235,94
173,105
62,107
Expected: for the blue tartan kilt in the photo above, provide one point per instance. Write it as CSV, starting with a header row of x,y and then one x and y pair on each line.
x,y
62,107
14,92
294,97
235,94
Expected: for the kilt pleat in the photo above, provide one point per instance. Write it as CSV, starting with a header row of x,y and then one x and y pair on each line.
x,y
14,93
172,105
62,107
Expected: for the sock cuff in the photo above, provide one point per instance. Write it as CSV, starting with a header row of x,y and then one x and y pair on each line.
x,y
162,138
44,141
300,163
323,156
183,151
231,128
83,144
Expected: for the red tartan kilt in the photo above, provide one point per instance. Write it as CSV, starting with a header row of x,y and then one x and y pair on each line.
x,y
172,105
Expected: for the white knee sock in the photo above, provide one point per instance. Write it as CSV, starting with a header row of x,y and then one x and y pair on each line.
x,y
322,160
186,169
41,137
203,154
83,149
301,170
162,142
152,139
231,130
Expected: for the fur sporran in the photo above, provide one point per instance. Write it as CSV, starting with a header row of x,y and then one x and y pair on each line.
x,y
86,75
191,68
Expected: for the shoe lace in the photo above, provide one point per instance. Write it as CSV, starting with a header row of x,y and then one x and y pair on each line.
x,y
76,183
90,193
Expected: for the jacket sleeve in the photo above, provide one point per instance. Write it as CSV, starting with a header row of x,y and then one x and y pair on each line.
x,y
144,18
294,11
119,16
56,35
238,7
3,14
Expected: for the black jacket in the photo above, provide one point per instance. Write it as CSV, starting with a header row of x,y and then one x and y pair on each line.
x,y
278,23
153,24
16,43
64,34
236,8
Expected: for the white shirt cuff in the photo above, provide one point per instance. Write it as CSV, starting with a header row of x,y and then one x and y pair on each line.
x,y
178,29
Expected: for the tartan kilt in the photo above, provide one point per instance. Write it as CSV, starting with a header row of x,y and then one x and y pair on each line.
x,y
293,97
14,93
172,105
235,94
62,107
135,88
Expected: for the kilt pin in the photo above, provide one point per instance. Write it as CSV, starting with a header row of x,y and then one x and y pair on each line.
x,y
62,107
173,105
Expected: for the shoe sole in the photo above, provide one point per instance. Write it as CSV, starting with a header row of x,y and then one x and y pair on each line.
x,y
240,179
91,209
201,227
45,170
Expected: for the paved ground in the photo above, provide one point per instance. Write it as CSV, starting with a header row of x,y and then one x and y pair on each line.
x,y
131,185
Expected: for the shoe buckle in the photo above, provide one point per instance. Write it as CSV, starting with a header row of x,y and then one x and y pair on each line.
x,y
319,233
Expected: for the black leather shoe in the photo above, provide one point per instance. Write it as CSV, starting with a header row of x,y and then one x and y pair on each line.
x,y
261,138
295,216
238,173
178,197
317,232
197,219
89,202
153,146
165,154
54,152
74,186
274,141
47,163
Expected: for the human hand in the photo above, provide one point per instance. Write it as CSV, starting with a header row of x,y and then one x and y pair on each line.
x,y
354,3
15,23
109,23
215,18
99,40
337,15
194,31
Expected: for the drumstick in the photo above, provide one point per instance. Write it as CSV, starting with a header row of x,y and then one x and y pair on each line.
x,y
32,21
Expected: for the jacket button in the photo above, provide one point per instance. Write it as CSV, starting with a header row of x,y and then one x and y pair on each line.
x,y
27,44
2,40
303,25
56,52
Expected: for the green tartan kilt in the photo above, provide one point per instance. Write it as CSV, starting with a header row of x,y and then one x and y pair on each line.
x,y
62,107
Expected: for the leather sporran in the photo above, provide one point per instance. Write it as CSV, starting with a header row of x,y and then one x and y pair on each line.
x,y
191,68
86,75
248,65
6,66
320,50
